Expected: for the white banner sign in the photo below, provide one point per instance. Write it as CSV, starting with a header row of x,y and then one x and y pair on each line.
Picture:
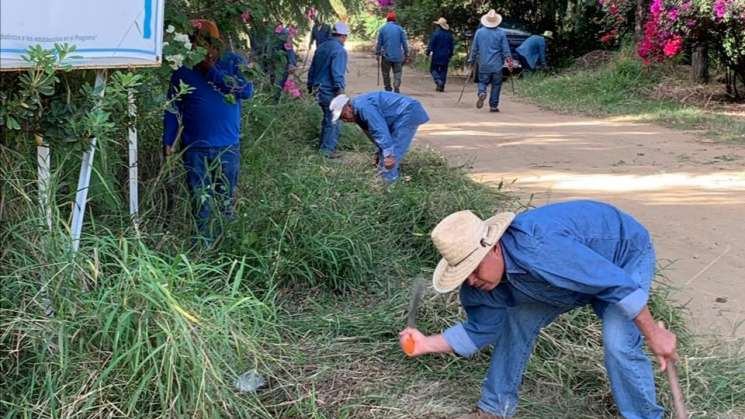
x,y
106,33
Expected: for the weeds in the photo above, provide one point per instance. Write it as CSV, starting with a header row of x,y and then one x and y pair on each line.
x,y
620,89
309,286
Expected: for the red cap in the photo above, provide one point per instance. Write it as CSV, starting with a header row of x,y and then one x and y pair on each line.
x,y
391,16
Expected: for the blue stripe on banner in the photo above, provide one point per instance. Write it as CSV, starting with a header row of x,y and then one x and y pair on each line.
x,y
147,32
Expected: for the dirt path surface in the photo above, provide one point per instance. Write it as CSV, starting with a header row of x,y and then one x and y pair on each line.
x,y
689,193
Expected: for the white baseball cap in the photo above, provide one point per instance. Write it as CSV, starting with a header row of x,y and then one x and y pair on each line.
x,y
341,28
337,105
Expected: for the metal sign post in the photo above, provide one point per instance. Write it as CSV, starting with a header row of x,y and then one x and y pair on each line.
x,y
132,142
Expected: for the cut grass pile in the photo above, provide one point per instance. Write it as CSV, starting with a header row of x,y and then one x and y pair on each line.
x,y
620,89
309,286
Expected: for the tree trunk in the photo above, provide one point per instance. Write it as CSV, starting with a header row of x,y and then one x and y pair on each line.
x,y
700,64
639,16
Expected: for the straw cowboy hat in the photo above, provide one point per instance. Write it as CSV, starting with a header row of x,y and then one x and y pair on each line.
x,y
443,23
548,34
463,240
491,19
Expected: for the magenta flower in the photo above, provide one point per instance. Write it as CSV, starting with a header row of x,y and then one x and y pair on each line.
x,y
720,8
279,28
673,14
672,46
246,16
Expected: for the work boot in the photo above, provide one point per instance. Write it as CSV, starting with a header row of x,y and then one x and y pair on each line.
x,y
396,90
480,102
480,414
494,110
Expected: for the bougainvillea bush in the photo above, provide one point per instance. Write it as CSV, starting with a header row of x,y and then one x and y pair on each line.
x,y
673,24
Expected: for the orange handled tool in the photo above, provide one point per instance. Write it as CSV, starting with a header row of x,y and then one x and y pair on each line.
x,y
416,298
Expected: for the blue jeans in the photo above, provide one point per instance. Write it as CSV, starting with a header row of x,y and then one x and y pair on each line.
x,y
521,318
439,73
329,129
212,176
495,79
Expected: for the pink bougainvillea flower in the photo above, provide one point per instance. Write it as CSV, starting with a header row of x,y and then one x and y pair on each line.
x,y
291,88
720,8
672,46
613,9
385,3
246,16
673,14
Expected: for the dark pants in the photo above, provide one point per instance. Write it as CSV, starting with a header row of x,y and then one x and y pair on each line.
x,y
329,129
495,80
524,63
385,68
212,176
439,73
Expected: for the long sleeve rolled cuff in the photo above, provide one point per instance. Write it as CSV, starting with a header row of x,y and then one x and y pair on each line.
x,y
458,339
632,304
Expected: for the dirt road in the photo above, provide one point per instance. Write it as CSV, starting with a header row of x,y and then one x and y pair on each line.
x,y
689,193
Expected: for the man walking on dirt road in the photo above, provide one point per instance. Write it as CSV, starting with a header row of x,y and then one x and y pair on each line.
x,y
490,50
517,274
390,120
441,46
326,80
393,48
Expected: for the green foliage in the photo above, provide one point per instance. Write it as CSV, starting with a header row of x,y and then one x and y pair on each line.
x,y
576,24
621,88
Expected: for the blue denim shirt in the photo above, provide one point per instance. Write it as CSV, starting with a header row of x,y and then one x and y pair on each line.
x,y
209,119
566,255
491,47
320,33
534,50
381,112
327,69
441,46
392,43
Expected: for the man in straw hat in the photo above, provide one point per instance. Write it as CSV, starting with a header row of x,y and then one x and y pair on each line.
x,y
209,121
441,46
517,274
393,48
532,52
326,79
390,120
491,49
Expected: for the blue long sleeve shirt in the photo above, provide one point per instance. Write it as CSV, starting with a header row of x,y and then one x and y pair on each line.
x,y
566,255
320,33
491,48
441,46
533,50
392,43
381,113
209,118
327,69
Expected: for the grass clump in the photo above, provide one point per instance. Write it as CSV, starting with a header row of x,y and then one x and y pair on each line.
x,y
135,333
622,89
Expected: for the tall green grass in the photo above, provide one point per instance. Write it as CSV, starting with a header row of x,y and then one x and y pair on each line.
x,y
621,89
308,286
